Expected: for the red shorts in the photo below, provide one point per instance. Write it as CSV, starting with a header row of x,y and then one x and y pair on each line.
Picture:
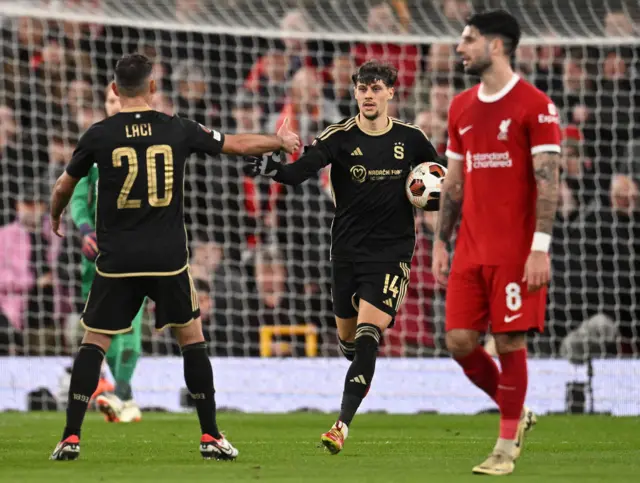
x,y
479,296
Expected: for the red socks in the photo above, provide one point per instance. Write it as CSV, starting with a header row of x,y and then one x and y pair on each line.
x,y
481,369
512,390
507,388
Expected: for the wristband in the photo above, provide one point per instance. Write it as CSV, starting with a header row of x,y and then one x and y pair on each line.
x,y
86,229
541,242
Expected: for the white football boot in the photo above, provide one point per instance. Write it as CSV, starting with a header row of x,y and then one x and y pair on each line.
x,y
130,412
67,450
527,421
218,449
111,406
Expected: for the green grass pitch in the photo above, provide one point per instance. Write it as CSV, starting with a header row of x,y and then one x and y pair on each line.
x,y
284,448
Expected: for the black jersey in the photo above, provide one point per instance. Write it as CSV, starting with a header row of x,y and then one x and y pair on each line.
x,y
141,160
374,220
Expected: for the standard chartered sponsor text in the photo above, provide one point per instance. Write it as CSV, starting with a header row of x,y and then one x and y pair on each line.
x,y
492,160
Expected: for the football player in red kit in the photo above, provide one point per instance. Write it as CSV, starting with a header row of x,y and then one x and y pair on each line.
x,y
503,152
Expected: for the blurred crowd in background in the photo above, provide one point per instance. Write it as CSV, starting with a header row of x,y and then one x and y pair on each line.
x,y
260,251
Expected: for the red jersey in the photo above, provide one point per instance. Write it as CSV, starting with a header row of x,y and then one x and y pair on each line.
x,y
496,136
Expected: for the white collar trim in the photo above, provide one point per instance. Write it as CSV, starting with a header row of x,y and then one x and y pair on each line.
x,y
501,93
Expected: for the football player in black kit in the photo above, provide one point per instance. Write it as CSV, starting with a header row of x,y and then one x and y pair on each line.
x,y
373,234
142,242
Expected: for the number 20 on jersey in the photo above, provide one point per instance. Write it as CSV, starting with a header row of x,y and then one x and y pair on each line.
x,y
152,154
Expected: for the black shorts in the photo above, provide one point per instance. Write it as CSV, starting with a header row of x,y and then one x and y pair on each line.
x,y
382,284
114,301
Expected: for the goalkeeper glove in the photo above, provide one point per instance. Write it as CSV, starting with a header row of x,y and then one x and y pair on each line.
x,y
267,165
89,242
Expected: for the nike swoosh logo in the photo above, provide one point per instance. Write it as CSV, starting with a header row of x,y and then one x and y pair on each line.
x,y
222,449
226,449
464,130
511,318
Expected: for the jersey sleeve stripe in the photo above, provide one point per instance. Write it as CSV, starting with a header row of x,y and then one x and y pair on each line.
x,y
407,124
346,127
545,148
403,123
452,155
335,127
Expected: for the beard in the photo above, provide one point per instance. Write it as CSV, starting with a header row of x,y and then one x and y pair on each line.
x,y
478,68
371,117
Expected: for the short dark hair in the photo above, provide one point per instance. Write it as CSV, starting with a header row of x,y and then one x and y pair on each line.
x,y
132,72
374,70
498,23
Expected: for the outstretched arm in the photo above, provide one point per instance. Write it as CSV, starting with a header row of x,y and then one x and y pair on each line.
x,y
255,144
209,141
304,168
251,144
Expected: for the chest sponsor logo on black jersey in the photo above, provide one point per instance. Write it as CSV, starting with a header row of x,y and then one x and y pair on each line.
x,y
359,174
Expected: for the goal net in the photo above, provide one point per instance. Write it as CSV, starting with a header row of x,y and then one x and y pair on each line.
x,y
260,252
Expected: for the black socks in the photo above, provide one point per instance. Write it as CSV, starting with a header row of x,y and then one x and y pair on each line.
x,y
84,381
361,371
198,376
348,349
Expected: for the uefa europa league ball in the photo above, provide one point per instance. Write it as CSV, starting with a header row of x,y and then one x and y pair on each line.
x,y
424,184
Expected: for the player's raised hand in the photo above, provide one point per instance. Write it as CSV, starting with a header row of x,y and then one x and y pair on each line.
x,y
290,140
537,270
266,165
440,262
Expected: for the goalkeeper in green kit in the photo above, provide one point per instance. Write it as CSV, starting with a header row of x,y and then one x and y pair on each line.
x,y
125,348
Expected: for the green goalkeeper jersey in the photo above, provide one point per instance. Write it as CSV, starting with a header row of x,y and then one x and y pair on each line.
x,y
83,212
